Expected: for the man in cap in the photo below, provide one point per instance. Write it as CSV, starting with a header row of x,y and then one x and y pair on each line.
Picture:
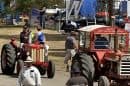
x,y
77,79
29,75
71,48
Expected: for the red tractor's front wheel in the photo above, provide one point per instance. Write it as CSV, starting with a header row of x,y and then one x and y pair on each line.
x,y
103,81
51,69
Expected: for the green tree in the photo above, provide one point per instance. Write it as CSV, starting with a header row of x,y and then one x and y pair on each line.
x,y
48,3
26,5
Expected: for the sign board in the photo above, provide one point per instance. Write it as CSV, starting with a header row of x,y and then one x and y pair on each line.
x,y
128,8
127,27
52,11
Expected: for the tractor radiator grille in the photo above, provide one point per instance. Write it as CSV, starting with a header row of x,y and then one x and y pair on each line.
x,y
37,55
125,65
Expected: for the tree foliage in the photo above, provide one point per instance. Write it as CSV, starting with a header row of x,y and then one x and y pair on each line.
x,y
26,5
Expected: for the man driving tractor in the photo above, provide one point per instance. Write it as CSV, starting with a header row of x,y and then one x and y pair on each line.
x,y
24,35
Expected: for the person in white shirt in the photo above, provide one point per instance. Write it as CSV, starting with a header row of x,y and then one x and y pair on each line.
x,y
29,75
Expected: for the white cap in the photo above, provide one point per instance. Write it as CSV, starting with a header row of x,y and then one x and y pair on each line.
x,y
29,59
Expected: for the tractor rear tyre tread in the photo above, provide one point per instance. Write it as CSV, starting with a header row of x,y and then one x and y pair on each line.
x,y
87,67
87,62
8,59
88,59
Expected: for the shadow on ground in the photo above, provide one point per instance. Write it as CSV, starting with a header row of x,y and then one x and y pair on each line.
x,y
49,37
57,52
14,75
8,37
55,37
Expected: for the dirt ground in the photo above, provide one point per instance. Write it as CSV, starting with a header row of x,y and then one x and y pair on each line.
x,y
55,40
56,53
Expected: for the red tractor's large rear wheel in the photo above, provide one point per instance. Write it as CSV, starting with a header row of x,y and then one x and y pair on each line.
x,y
8,59
51,69
87,67
86,64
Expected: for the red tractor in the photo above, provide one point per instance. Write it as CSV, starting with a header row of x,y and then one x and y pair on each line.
x,y
103,55
11,54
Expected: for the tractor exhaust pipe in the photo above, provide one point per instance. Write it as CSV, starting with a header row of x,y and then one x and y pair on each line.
x,y
115,35
115,40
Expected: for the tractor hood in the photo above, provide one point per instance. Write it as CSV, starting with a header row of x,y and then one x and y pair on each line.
x,y
100,55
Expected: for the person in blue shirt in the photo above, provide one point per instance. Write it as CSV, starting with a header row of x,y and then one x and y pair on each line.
x,y
40,35
41,39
